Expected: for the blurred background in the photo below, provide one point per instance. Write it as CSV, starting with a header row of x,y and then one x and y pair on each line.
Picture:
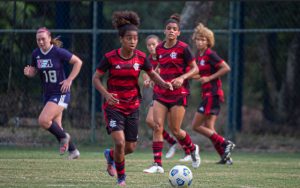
x,y
259,40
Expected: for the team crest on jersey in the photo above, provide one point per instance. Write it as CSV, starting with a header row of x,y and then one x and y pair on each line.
x,y
173,55
136,66
202,62
44,63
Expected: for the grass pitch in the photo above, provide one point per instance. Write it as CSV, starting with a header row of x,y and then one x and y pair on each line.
x,y
43,167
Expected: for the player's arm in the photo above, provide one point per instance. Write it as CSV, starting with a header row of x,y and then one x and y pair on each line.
x,y
77,63
177,82
30,71
158,80
223,69
110,97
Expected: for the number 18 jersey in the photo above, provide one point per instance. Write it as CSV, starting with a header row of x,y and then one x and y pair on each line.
x,y
50,68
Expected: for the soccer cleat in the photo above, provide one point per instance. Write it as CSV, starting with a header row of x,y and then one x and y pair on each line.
x,y
186,158
154,169
227,161
171,151
64,144
73,154
228,147
121,181
111,170
196,160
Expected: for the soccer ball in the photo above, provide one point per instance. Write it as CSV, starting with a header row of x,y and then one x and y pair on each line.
x,y
180,176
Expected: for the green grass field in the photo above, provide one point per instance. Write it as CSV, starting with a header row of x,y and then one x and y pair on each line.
x,y
43,167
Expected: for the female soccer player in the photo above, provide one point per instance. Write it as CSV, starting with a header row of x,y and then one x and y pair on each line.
x,y
151,42
211,68
122,94
48,60
174,57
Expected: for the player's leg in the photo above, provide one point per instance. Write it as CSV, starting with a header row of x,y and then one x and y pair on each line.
x,y
177,114
159,112
49,113
149,118
172,142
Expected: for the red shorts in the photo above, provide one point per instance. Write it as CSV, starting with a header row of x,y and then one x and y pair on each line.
x,y
210,105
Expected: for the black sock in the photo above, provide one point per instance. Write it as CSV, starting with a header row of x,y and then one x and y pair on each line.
x,y
57,131
72,147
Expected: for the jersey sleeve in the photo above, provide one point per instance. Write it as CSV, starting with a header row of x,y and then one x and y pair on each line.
x,y
215,60
147,65
104,65
188,55
64,54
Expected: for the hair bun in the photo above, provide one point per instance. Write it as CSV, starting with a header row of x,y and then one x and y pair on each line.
x,y
176,17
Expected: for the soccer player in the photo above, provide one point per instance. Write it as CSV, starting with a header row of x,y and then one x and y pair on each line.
x,y
122,93
151,42
211,68
174,56
48,60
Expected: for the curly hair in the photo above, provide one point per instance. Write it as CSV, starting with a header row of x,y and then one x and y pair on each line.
x,y
125,21
203,31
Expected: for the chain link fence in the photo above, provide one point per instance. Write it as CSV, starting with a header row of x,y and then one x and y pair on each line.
x,y
269,39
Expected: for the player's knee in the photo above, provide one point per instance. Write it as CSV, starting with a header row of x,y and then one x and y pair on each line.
x,y
120,144
176,133
44,122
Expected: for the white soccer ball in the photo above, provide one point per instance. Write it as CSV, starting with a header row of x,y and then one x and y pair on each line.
x,y
180,176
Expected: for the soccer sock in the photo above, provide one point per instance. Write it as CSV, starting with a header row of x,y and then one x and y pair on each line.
x,y
111,154
157,148
187,143
72,147
186,151
168,138
57,131
120,167
218,142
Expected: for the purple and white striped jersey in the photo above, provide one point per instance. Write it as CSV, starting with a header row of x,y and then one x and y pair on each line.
x,y
50,67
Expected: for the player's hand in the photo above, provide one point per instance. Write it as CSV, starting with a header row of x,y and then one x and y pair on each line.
x,y
204,79
29,71
66,85
147,83
177,82
170,86
111,98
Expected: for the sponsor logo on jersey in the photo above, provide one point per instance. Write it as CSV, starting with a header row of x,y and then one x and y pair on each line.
x,y
173,55
44,63
38,57
136,66
118,67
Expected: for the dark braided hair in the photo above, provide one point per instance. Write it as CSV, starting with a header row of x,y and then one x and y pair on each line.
x,y
125,21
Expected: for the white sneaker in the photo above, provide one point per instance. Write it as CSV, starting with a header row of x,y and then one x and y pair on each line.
x,y
171,151
154,169
186,158
196,160
73,154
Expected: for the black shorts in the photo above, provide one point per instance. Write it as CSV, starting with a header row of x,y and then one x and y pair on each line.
x,y
116,121
210,105
180,102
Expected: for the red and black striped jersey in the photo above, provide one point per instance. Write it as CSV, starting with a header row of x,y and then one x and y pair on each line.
x,y
153,61
208,64
173,63
123,78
